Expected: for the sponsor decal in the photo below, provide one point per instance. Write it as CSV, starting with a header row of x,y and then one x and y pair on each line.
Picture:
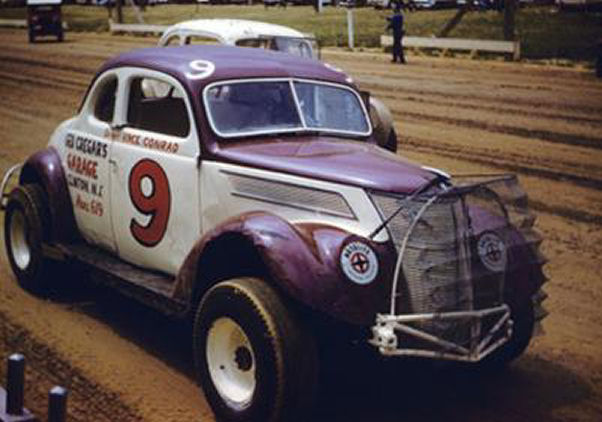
x,y
82,175
83,166
87,146
93,206
85,185
492,251
359,263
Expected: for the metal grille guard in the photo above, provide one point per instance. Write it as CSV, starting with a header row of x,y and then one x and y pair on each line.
x,y
387,326
394,328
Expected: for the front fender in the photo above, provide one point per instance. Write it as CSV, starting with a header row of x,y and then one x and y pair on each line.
x,y
44,168
303,261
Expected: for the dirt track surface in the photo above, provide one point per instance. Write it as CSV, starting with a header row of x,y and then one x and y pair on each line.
x,y
124,362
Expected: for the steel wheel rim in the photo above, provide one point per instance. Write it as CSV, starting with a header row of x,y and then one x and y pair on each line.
x,y
18,240
231,362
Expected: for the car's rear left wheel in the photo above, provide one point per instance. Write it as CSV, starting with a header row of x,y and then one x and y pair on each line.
x,y
25,227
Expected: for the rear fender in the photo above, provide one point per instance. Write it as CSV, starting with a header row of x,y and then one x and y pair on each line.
x,y
302,261
44,168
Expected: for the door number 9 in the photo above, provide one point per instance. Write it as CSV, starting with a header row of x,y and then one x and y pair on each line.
x,y
149,192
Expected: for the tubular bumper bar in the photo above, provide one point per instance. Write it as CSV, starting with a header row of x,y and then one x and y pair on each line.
x,y
386,335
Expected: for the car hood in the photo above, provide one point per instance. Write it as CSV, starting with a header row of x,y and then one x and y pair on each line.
x,y
348,162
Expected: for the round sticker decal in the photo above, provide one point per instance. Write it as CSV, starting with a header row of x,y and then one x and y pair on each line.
x,y
492,251
359,263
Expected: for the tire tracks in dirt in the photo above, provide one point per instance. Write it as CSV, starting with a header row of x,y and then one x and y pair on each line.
x,y
510,110
495,161
539,134
426,146
424,90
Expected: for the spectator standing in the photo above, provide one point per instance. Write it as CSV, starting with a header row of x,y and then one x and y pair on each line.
x,y
396,25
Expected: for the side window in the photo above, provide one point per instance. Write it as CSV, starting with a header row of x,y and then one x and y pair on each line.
x,y
105,100
254,43
173,40
157,106
200,40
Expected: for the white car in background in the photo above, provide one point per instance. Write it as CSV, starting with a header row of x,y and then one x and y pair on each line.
x,y
247,33
241,33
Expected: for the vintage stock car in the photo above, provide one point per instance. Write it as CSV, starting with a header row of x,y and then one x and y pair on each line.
x,y
244,189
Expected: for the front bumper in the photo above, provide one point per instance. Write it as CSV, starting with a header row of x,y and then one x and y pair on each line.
x,y
390,329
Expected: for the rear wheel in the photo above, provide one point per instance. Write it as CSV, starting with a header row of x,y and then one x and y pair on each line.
x,y
253,360
25,230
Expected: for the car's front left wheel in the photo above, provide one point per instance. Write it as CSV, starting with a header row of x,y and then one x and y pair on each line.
x,y
254,361
25,230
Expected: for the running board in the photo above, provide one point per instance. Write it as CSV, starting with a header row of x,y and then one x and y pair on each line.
x,y
152,288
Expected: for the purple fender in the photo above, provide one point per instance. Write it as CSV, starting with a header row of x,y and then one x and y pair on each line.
x,y
302,261
44,168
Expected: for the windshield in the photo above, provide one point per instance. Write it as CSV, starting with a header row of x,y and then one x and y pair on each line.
x,y
255,107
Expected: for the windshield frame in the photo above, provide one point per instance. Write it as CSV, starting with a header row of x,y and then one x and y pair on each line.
x,y
301,129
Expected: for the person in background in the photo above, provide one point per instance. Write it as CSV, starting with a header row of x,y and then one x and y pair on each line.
x,y
396,25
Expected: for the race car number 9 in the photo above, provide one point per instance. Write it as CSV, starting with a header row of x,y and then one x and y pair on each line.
x,y
149,192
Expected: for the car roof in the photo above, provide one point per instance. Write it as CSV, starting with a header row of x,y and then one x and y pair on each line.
x,y
228,31
186,64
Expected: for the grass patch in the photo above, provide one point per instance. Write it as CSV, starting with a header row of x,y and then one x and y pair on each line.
x,y
544,32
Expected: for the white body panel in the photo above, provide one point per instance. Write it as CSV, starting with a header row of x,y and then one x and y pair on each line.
x,y
224,198
84,151
183,226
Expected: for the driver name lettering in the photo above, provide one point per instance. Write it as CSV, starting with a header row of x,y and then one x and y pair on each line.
x,y
150,143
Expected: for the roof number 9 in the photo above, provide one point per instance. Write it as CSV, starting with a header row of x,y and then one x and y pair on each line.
x,y
201,69
149,192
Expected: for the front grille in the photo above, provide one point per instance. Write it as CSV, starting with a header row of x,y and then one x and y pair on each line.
x,y
458,247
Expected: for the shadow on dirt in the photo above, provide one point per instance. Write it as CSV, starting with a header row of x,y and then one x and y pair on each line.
x,y
355,391
416,390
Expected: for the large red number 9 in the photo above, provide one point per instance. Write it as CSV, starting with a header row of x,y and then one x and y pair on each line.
x,y
156,203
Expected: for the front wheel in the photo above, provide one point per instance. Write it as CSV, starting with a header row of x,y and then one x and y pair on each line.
x,y
522,332
253,360
25,225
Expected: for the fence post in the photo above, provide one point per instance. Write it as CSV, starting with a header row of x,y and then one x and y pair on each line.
x,y
15,379
11,399
57,404
350,28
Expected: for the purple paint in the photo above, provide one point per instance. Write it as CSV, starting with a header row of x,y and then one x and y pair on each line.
x,y
303,261
45,167
331,159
